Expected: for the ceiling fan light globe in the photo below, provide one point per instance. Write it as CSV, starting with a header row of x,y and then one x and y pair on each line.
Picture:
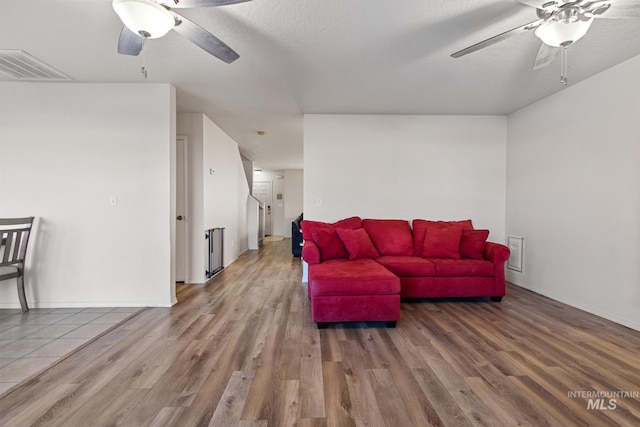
x,y
557,33
144,17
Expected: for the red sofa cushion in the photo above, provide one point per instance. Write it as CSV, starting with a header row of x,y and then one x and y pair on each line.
x,y
308,226
448,287
361,277
329,243
355,308
358,243
408,266
420,229
462,268
472,243
442,243
390,236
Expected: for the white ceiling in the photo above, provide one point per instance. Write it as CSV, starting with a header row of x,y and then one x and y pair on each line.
x,y
319,56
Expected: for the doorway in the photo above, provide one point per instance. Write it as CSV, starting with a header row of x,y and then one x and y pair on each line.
x,y
262,191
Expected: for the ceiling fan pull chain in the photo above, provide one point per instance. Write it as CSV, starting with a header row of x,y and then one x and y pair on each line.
x,y
143,69
564,67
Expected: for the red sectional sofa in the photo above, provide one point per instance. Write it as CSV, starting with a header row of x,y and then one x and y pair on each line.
x,y
360,269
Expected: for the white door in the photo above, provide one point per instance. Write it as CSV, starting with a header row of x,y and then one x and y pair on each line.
x,y
262,192
181,228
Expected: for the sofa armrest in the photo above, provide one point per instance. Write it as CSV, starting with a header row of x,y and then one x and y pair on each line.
x,y
311,253
496,253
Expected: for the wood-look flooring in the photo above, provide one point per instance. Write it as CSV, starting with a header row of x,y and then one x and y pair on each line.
x,y
242,351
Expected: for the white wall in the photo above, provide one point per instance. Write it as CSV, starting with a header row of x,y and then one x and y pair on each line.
x,y
431,167
217,199
66,148
293,197
225,191
573,193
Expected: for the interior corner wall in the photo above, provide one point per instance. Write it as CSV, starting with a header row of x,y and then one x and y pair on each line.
x,y
573,183
293,197
217,192
73,147
431,167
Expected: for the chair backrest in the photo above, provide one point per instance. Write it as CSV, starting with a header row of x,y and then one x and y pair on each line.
x,y
14,238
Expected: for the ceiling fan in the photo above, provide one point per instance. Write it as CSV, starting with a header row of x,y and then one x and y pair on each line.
x,y
150,19
561,23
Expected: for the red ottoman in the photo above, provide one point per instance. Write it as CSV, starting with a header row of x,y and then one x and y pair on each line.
x,y
353,291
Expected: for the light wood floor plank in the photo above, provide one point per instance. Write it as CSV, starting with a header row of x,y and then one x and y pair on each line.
x,y
393,409
336,392
366,411
290,403
312,401
440,399
167,416
116,412
229,408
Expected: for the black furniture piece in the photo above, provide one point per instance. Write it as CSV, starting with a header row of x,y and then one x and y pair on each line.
x,y
14,237
296,237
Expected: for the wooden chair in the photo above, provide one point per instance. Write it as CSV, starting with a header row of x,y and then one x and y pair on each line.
x,y
14,237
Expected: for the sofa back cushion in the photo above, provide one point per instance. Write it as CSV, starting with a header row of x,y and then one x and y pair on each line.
x,y
420,227
472,243
357,243
308,226
329,244
442,242
390,236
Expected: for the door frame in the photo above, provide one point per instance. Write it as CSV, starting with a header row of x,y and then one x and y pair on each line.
x,y
182,255
268,209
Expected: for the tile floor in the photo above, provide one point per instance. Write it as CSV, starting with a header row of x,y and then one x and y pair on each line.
x,y
32,341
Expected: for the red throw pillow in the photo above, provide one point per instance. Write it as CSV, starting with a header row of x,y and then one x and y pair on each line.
x,y
442,243
420,227
390,236
472,243
330,245
358,243
352,223
308,226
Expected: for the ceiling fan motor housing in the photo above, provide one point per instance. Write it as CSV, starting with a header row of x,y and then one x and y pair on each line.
x,y
144,17
564,26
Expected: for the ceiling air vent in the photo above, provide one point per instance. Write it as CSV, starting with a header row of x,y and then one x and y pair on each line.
x,y
19,65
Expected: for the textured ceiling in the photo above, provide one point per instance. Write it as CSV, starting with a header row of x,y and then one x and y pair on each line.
x,y
319,56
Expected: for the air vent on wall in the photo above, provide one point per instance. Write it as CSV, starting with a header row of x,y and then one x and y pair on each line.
x,y
19,65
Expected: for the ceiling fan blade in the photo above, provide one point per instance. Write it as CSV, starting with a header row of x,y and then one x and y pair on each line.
x,y
538,4
176,4
129,42
622,11
495,39
546,55
204,39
